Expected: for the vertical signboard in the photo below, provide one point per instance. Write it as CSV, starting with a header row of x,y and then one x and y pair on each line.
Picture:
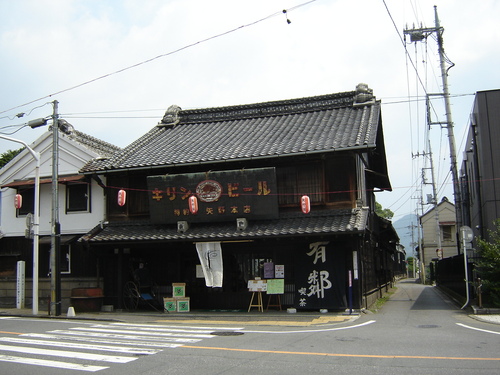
x,y
20,286
320,277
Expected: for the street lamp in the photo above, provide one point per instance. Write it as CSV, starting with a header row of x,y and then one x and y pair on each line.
x,y
36,219
55,247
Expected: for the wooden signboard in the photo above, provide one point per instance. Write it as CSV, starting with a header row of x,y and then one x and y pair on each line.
x,y
221,196
257,285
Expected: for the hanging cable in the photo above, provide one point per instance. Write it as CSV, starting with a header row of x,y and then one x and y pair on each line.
x,y
159,56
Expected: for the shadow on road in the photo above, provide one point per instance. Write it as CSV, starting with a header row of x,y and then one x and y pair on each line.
x,y
430,299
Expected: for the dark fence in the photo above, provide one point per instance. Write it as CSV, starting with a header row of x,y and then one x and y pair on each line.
x,y
450,274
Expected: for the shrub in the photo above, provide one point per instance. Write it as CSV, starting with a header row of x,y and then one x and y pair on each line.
x,y
488,266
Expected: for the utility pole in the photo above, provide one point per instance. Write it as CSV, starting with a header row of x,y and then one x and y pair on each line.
x,y
420,34
433,200
413,244
55,243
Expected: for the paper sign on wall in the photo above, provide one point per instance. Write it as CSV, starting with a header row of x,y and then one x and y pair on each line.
x,y
268,270
279,271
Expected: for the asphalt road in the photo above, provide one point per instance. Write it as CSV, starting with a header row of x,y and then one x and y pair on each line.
x,y
418,331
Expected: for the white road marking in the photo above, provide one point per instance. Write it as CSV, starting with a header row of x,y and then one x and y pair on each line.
x,y
313,330
132,339
46,363
159,334
154,344
185,327
67,354
478,329
126,337
153,329
105,348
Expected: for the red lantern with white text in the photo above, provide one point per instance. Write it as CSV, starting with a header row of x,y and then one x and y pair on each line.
x,y
122,197
193,204
18,201
305,204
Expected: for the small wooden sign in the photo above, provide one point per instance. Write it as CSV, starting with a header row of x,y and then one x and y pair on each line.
x,y
257,285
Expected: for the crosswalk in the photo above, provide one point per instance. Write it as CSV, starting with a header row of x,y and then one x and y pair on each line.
x,y
97,346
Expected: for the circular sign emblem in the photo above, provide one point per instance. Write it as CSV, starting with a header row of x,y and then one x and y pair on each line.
x,y
209,191
211,254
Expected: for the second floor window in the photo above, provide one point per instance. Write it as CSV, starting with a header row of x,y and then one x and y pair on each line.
x,y
78,197
447,232
331,181
296,180
28,201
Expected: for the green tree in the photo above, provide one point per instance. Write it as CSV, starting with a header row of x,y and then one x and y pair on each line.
x,y
8,156
488,266
383,212
411,263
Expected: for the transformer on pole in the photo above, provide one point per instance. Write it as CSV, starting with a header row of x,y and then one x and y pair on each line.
x,y
419,34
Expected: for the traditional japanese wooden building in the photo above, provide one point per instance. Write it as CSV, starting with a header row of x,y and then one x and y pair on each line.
x,y
280,190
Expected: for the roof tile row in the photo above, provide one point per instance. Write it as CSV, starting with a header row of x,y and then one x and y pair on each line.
x,y
315,223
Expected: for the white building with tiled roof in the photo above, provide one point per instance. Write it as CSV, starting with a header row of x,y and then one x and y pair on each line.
x,y
81,204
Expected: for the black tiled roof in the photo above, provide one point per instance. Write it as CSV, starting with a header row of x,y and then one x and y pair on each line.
x,y
316,223
102,148
264,130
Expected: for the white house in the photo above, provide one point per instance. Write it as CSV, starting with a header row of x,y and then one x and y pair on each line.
x,y
438,235
81,206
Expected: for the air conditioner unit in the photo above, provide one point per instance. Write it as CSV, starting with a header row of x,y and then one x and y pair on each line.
x,y
241,223
182,226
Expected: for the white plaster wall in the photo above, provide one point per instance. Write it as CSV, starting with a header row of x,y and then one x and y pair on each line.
x,y
72,157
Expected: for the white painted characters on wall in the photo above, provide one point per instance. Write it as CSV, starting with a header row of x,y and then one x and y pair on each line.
x,y
318,280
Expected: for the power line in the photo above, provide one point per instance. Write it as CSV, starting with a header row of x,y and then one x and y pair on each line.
x,y
161,56
88,114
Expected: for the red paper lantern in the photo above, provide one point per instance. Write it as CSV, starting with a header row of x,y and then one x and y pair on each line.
x,y
305,204
122,197
193,204
18,201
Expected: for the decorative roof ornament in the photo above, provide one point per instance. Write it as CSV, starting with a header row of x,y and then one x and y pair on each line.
x,y
364,94
171,117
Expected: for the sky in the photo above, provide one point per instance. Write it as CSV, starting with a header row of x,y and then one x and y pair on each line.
x,y
115,66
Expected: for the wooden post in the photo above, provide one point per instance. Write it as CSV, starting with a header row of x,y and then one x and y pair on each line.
x,y
259,304
269,301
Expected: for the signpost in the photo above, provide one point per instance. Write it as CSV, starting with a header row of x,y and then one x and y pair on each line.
x,y
466,236
20,287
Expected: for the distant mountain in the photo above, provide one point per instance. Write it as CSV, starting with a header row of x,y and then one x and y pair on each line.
x,y
404,227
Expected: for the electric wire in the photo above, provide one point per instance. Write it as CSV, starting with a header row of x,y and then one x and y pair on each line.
x,y
159,56
15,131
